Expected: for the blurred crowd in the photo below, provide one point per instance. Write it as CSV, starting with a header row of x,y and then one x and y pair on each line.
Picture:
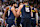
x,y
5,3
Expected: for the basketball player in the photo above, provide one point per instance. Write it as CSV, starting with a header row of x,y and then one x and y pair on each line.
x,y
11,16
34,19
26,14
19,18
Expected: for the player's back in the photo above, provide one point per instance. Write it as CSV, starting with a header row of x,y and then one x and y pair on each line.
x,y
26,13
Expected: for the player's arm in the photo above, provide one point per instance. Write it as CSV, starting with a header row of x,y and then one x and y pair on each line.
x,y
36,16
5,12
19,10
14,12
31,11
36,10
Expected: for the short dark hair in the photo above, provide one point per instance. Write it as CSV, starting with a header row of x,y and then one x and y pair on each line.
x,y
25,1
20,2
31,4
11,2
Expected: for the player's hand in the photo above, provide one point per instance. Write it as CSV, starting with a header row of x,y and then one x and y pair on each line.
x,y
36,24
16,10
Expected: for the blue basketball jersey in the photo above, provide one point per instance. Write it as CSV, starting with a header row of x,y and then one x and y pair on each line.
x,y
10,14
26,11
11,17
33,12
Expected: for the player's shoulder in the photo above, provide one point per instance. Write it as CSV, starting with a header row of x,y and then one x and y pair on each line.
x,y
7,8
21,5
12,8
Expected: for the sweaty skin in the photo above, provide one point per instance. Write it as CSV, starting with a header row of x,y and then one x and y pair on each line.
x,y
13,10
19,10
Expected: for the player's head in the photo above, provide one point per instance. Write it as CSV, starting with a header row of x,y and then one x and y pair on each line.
x,y
15,4
20,3
11,3
31,5
25,2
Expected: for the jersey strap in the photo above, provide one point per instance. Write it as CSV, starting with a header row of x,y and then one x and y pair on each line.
x,y
33,10
10,8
